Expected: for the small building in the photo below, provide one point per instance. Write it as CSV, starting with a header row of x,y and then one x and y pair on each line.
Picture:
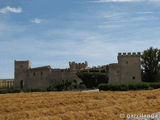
x,y
6,83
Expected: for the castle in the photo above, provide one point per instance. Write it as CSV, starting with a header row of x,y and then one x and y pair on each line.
x,y
128,69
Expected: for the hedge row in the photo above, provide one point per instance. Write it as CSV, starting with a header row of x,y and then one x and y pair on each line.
x,y
9,90
129,86
12,90
66,85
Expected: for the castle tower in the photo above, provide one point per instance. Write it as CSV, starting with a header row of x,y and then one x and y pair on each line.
x,y
86,64
130,67
78,66
72,65
20,70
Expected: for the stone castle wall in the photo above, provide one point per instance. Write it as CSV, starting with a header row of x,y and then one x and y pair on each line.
x,y
114,73
127,69
41,77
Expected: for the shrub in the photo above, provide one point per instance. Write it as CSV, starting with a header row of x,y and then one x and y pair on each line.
x,y
33,90
150,88
93,79
63,85
12,90
9,90
129,86
155,85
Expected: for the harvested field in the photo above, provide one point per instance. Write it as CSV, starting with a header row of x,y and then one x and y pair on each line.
x,y
77,105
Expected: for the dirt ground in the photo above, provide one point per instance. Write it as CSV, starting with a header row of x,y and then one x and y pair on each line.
x,y
78,105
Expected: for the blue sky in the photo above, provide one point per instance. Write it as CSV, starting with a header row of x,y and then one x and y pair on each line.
x,y
54,32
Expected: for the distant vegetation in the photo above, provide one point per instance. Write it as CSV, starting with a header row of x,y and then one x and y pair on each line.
x,y
9,90
129,86
12,90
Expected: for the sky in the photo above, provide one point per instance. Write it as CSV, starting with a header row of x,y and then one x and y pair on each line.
x,y
54,32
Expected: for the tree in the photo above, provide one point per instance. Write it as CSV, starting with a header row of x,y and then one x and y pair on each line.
x,y
92,79
150,65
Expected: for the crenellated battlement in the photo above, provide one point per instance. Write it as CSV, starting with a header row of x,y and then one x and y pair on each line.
x,y
138,54
22,65
77,66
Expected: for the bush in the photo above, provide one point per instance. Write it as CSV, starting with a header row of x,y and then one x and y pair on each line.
x,y
155,85
81,86
9,90
129,86
12,90
63,85
150,88
33,90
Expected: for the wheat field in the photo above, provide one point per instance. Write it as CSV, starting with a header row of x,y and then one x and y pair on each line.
x,y
77,105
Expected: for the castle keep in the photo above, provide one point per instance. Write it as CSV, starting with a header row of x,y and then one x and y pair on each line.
x,y
127,69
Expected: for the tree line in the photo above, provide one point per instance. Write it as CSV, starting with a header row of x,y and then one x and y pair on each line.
x,y
150,63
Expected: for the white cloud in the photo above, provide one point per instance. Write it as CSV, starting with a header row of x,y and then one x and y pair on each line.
x,y
145,12
110,26
94,50
10,9
113,15
94,46
118,19
36,20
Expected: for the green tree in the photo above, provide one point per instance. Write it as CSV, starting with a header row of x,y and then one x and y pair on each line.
x,y
150,65
93,79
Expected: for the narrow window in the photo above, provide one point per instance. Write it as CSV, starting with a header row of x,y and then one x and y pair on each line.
x,y
34,74
133,77
126,62
41,73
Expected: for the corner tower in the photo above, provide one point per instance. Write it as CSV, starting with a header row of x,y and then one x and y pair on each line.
x,y
130,67
20,72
